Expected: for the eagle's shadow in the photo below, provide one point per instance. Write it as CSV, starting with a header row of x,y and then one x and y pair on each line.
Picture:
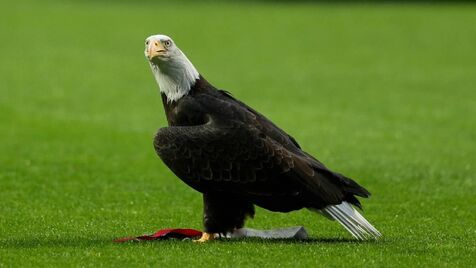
x,y
311,240
24,243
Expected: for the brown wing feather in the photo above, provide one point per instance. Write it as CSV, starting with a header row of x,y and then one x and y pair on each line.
x,y
224,154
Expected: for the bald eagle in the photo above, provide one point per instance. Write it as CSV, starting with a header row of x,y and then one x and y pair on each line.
x,y
236,157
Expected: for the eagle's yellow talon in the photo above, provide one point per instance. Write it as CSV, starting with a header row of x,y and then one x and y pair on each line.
x,y
205,237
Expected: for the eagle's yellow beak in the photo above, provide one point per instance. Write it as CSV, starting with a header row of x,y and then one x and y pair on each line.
x,y
155,49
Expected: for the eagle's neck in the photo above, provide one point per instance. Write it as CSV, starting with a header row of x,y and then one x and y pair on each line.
x,y
175,77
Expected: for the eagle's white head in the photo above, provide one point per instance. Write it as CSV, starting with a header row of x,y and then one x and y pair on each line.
x,y
174,73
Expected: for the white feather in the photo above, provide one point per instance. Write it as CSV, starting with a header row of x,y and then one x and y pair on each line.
x,y
174,74
352,221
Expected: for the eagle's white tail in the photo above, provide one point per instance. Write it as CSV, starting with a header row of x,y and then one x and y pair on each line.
x,y
352,221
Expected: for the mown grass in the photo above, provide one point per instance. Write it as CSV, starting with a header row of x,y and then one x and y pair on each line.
x,y
384,93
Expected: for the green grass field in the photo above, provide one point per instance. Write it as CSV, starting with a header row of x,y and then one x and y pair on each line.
x,y
384,93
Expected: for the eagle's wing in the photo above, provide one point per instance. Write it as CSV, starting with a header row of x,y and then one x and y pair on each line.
x,y
237,158
222,152
266,126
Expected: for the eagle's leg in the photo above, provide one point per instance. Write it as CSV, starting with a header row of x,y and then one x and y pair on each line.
x,y
205,237
223,214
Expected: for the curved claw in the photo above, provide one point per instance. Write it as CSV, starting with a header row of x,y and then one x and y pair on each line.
x,y
205,238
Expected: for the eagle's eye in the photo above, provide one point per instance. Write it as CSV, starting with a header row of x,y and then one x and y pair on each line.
x,y
167,43
146,42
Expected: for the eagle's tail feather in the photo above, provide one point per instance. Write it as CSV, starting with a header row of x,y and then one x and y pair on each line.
x,y
352,221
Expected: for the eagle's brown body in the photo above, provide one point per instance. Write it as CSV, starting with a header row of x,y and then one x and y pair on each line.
x,y
238,158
